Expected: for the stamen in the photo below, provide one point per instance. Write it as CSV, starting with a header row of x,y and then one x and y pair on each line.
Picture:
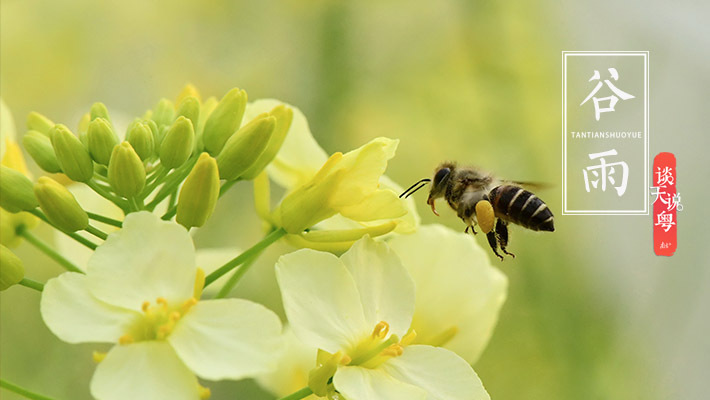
x,y
345,360
204,392
174,316
444,337
162,302
408,338
394,350
145,306
98,356
199,283
126,339
381,330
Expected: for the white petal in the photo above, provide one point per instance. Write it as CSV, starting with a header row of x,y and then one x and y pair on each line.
x,y
294,363
75,316
357,383
228,339
300,156
386,289
147,259
144,370
321,300
440,372
457,288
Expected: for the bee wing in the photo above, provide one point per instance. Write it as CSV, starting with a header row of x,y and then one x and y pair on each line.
x,y
531,185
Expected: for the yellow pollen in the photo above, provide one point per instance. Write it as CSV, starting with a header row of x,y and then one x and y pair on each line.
x,y
98,356
345,360
125,339
162,301
381,330
145,306
394,350
174,316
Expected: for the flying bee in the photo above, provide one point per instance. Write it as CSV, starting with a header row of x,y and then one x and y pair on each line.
x,y
481,199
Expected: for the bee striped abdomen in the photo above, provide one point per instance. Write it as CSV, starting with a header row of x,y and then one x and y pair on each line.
x,y
517,205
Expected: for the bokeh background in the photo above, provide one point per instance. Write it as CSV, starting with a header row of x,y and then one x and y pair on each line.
x,y
591,312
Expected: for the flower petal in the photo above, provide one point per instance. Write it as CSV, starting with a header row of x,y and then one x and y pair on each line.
x,y
144,370
295,361
300,156
321,300
357,383
75,316
209,259
147,259
381,204
386,289
458,291
443,374
228,339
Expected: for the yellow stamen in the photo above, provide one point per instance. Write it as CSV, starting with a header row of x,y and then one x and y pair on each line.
x,y
174,316
199,283
381,330
204,392
98,356
394,350
162,301
345,360
408,338
126,339
145,306
443,337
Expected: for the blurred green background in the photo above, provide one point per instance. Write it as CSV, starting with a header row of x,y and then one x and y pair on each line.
x,y
591,313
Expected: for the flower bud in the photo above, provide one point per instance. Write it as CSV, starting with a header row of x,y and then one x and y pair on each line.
x,y
284,116
15,191
98,110
11,268
38,122
141,138
40,149
189,108
71,154
224,120
101,140
59,205
83,129
11,223
244,147
199,193
126,172
164,113
177,144
188,91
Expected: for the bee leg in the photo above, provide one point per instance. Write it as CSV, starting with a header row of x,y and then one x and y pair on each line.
x,y
471,228
494,244
502,234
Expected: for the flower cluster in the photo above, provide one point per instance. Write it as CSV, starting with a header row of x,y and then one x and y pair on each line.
x,y
376,306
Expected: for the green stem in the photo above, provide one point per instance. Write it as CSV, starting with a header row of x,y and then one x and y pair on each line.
x,y
39,286
86,242
134,204
22,391
108,196
299,394
236,276
105,220
172,182
173,199
154,181
96,232
242,258
68,265
170,213
225,186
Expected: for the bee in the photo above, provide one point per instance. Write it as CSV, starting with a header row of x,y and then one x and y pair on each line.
x,y
481,199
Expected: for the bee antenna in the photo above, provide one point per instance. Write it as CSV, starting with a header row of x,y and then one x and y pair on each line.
x,y
409,191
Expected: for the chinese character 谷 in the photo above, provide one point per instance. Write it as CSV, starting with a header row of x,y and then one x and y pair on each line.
x,y
604,172
613,99
664,220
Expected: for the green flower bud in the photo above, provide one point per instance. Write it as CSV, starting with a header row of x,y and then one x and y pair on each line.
x,y
101,140
83,129
164,113
15,191
189,108
126,172
141,138
11,268
71,154
244,147
224,120
284,116
199,193
177,144
38,122
40,148
59,205
98,110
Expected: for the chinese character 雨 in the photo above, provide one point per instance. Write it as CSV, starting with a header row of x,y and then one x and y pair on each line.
x,y
604,172
664,220
613,99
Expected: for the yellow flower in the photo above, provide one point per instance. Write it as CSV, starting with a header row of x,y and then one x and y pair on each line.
x,y
331,202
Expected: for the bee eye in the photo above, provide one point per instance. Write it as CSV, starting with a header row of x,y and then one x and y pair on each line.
x,y
440,175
